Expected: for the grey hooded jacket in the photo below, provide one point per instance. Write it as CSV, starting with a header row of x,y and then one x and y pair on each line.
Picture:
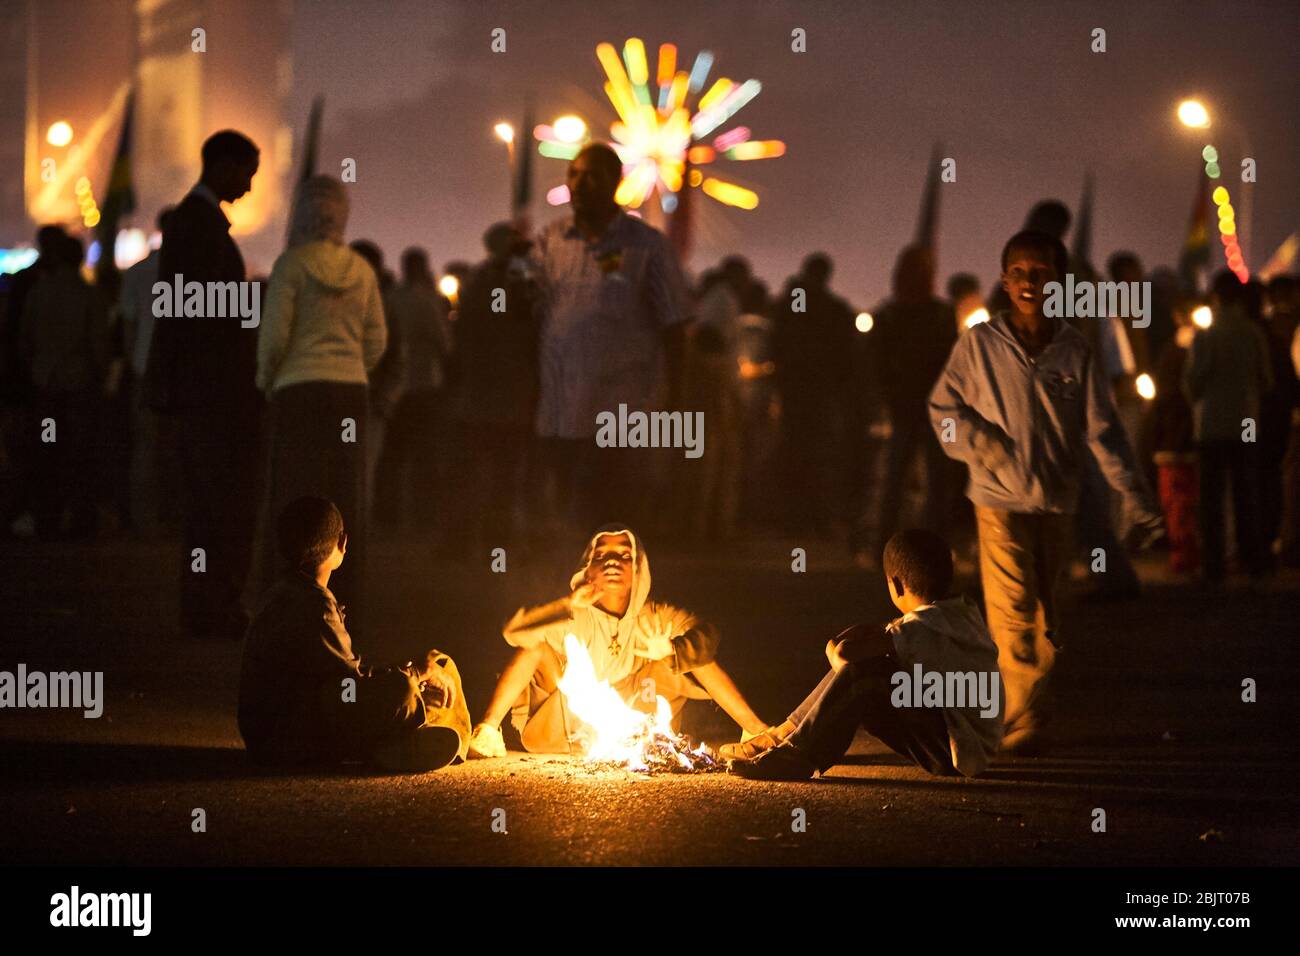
x,y
1024,424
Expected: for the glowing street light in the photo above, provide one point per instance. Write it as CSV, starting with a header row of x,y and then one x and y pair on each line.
x,y
1202,317
569,129
449,286
59,134
864,322
1192,113
506,133
1146,386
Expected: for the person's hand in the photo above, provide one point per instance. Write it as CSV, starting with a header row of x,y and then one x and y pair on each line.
x,y
833,656
1145,533
585,595
654,640
997,449
855,644
438,688
839,653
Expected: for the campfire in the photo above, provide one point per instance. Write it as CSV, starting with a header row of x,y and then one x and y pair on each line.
x,y
611,732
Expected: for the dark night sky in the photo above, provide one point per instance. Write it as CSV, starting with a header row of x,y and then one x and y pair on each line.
x,y
1012,89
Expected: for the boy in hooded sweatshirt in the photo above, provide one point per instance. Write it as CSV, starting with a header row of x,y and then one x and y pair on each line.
x,y
925,684
1023,401
630,638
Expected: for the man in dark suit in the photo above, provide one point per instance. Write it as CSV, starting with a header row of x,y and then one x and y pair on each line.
x,y
201,370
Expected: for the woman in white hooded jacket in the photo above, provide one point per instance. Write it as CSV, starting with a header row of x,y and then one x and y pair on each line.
x,y
322,332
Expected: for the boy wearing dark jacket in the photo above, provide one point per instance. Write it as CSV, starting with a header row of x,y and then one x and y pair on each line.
x,y
305,696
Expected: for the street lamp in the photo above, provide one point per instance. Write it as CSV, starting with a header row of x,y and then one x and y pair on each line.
x,y
506,133
569,129
449,286
1193,114
59,134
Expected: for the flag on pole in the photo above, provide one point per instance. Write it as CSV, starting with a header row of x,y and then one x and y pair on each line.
x,y
310,146
119,198
1283,260
1081,253
927,225
681,221
522,191
1196,247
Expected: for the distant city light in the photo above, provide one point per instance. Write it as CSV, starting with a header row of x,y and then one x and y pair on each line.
x,y
570,129
59,134
131,246
864,322
1202,317
12,260
1146,387
1194,114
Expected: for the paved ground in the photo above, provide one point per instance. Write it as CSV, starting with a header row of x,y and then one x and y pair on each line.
x,y
1154,732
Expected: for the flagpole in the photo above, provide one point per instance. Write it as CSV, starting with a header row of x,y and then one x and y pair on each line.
x,y
310,146
513,175
927,224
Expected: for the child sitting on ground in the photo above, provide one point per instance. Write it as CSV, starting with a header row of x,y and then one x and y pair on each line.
x,y
305,697
957,727
634,642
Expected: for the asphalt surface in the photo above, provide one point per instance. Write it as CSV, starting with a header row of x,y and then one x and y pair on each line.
x,y
1152,730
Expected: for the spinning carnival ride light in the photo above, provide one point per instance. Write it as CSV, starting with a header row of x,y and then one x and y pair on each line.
x,y
662,129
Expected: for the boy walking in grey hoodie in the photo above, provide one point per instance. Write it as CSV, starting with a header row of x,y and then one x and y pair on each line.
x,y
1021,401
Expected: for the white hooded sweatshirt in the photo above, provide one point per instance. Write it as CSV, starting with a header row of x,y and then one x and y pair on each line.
x,y
618,646
323,320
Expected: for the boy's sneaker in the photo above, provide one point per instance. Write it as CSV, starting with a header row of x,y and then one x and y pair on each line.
x,y
429,748
780,763
486,741
750,747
